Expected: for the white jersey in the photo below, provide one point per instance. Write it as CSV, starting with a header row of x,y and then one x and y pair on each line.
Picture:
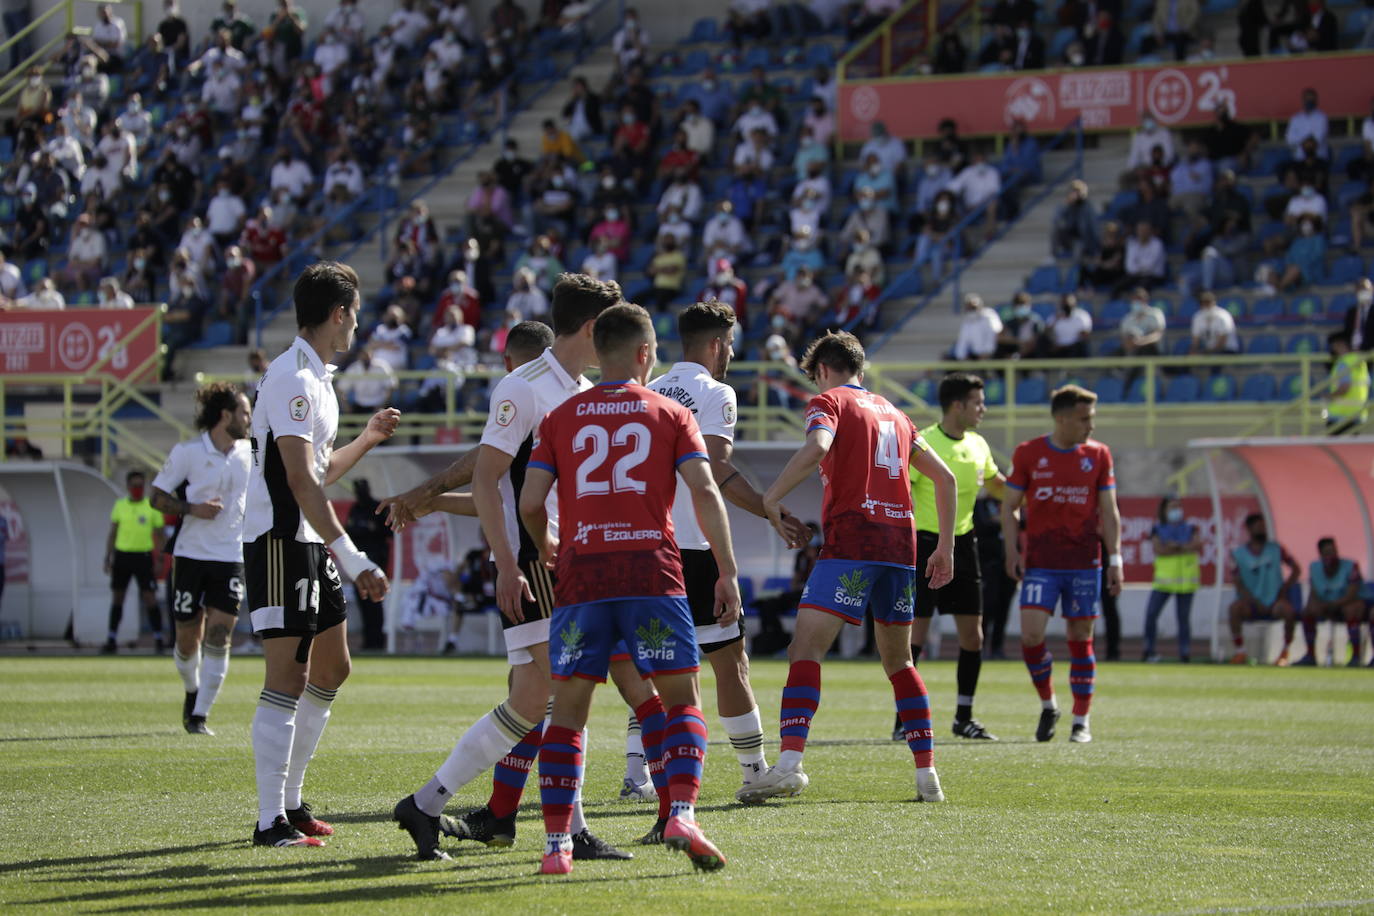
x,y
295,398
518,403
713,405
209,473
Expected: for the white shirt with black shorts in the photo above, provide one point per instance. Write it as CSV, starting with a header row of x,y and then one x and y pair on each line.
x,y
518,403
713,404
207,554
293,586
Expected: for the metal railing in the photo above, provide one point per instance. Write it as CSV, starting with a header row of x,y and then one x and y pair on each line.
x,y
892,47
12,81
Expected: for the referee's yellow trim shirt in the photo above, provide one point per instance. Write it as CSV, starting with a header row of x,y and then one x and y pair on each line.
x,y
136,522
971,461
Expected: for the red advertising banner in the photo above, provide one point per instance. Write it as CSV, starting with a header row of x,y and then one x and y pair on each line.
x,y
1139,515
71,342
1107,98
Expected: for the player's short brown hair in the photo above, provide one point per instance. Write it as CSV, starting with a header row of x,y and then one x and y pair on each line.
x,y
621,327
703,320
578,299
840,351
527,340
320,289
1069,397
212,400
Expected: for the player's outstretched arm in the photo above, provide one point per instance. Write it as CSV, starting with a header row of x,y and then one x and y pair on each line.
x,y
418,502
800,466
379,429
535,514
1110,515
298,460
997,486
454,504
710,509
511,586
940,569
1011,532
736,488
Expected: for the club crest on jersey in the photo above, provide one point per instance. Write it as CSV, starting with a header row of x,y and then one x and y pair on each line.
x,y
728,412
1043,462
571,638
852,590
299,407
656,642
1086,464
505,413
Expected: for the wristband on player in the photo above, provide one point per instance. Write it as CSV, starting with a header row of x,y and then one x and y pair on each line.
x,y
1114,560
350,559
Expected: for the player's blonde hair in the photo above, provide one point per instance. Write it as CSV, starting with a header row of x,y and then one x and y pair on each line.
x,y
1070,396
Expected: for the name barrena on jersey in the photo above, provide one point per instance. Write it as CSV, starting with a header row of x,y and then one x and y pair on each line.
x,y
609,408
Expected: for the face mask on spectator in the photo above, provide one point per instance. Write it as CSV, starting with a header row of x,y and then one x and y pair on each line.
x,y
942,207
140,263
1175,515
233,261
1148,124
1308,191
1021,311
1365,297
1076,59
1308,228
627,118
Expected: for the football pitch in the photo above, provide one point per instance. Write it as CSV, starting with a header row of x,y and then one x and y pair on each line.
x,y
1208,788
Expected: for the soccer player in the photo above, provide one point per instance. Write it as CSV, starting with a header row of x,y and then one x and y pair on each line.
x,y
294,591
205,481
863,447
1335,596
1066,483
707,332
133,545
967,455
614,451
508,736
1261,588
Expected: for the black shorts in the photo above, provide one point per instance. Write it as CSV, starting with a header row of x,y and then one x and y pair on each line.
x,y
964,593
200,584
293,588
132,566
699,573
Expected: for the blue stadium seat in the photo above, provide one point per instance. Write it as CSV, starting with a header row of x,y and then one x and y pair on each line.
x,y
1346,270
1267,310
757,56
640,256
7,209
1113,312
1181,346
1165,305
1182,389
1219,387
1122,201
1304,343
1031,391
1338,305
694,63
1259,387
1264,344
1290,386
1356,22
820,55
34,271
1305,308
704,30
1235,305
1043,280
1270,158
1348,192
1109,347
1218,7
1138,35
216,334
1110,389
6,148
995,390
926,390
1061,40
1244,190
1187,308
1137,393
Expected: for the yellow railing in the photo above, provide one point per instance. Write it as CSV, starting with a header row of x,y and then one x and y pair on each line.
x,y
12,81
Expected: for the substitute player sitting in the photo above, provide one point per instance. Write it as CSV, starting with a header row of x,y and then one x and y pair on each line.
x,y
1066,483
1261,587
614,451
207,549
863,447
1335,596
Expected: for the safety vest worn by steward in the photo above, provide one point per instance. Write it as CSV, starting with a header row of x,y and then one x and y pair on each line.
x,y
1351,404
1180,573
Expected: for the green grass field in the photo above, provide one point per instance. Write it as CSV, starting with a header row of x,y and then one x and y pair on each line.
x,y
1207,788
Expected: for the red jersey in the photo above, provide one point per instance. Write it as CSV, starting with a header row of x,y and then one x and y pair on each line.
x,y
615,450
866,513
1060,509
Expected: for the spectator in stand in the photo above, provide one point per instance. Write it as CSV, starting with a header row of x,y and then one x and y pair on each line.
x,y
582,111
110,296
601,262
140,277
755,117
1151,207
288,36
1230,144
187,299
345,174
11,280
1028,52
555,201
668,270
820,120
1311,121
120,150
543,264
675,225
640,95
1069,329
728,288
810,151
715,98
511,24
698,131
935,177
631,41
454,348
175,33
1305,262
1213,329
1225,223
1308,203
459,294
223,52
1023,333
1175,26
615,229
110,33
998,51
747,193
33,104
682,194
679,158
865,256
390,339
44,298
1074,233
233,303
264,239
725,237
527,299
1019,168
799,300
1147,263
977,184
347,23
977,331
1359,318
950,54
1253,19
1142,330
934,245
199,245
1190,180
806,214
292,174
747,19
513,172
867,15
877,178
891,152
554,141
489,207
87,256
854,303
868,219
1323,30
1310,169
1362,216
225,215
802,252
632,147
368,384
816,185
222,92
1143,142
1103,43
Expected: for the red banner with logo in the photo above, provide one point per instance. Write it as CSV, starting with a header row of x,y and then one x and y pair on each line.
x,y
1139,515
72,342
1108,98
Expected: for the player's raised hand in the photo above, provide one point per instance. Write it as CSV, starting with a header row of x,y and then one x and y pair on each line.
x,y
1114,580
940,568
372,584
208,509
795,532
728,603
405,509
383,424
512,589
1013,565
774,512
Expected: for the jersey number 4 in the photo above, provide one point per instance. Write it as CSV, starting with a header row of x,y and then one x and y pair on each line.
x,y
887,454
599,442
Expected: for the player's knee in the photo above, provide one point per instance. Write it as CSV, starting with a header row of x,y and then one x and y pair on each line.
x,y
218,635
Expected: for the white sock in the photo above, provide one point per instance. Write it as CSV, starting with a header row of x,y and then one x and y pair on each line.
x,y
189,669
311,717
481,748
579,822
684,810
924,773
789,760
1051,703
555,843
1081,720
746,737
636,769
214,666
274,727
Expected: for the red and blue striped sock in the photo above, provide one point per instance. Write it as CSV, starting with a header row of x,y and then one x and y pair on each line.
x,y
560,774
800,698
1040,663
1082,674
652,723
511,772
913,706
684,755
